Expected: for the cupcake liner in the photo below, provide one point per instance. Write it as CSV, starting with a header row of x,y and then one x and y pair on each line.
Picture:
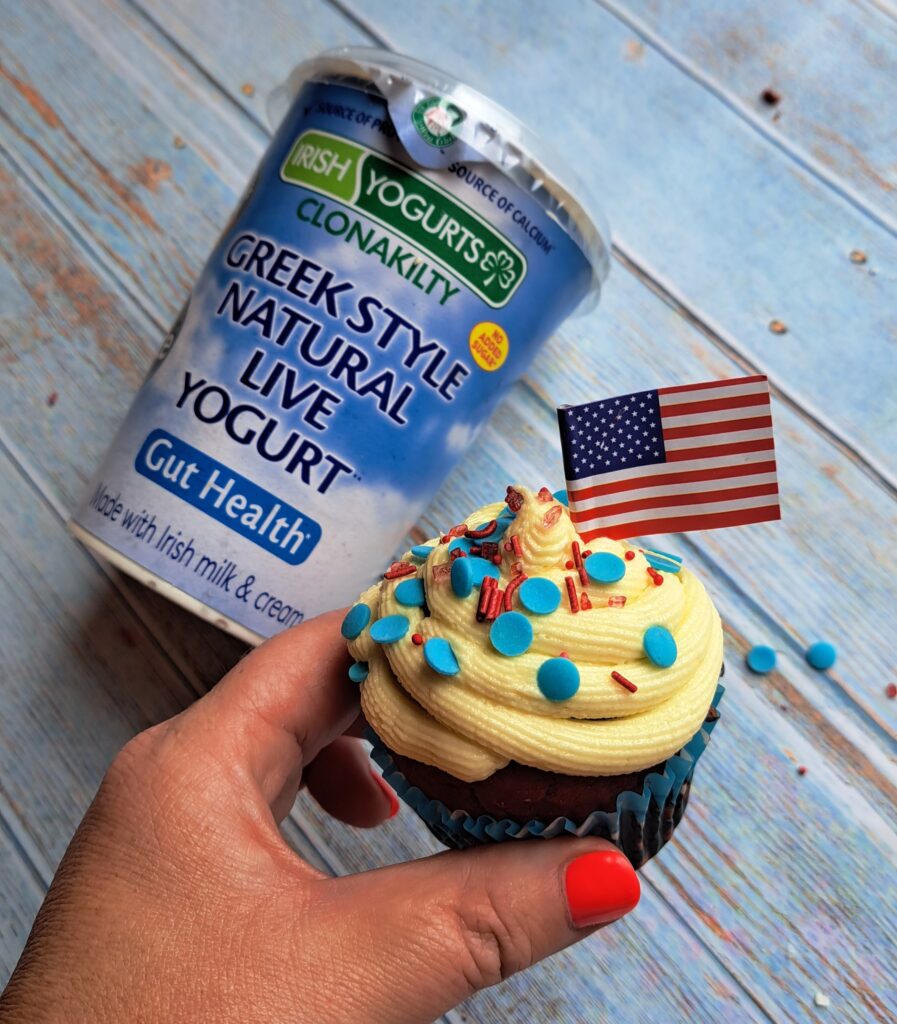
x,y
641,824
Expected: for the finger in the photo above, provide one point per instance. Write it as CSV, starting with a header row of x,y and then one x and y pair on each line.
x,y
278,708
444,927
341,780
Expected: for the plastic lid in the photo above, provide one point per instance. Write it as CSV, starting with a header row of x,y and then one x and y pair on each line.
x,y
493,132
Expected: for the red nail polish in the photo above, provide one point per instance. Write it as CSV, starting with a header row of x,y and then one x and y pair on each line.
x,y
388,792
601,887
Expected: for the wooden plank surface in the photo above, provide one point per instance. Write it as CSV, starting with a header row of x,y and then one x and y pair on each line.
x,y
125,150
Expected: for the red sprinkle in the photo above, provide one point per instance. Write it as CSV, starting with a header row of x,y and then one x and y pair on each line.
x,y
514,500
580,568
563,654
891,691
655,575
586,554
571,594
801,769
496,559
616,601
457,553
629,556
568,564
474,549
496,597
398,569
483,605
417,639
545,495
489,549
623,681
515,546
508,546
585,602
483,531
511,587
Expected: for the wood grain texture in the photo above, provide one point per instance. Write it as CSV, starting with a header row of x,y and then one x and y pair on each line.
x,y
715,213
126,150
828,96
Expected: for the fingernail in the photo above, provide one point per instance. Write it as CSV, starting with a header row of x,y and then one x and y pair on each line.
x,y
388,793
601,887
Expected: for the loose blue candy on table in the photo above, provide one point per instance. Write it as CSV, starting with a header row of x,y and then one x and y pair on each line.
x,y
358,671
539,595
462,577
821,655
558,679
356,619
411,592
439,655
761,659
660,646
511,634
389,629
605,567
422,550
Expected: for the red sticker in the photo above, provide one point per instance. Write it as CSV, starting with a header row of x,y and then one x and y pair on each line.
x,y
616,601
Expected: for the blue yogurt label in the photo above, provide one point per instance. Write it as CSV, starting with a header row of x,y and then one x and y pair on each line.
x,y
358,320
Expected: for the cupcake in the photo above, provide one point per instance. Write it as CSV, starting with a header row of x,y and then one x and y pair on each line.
x,y
518,684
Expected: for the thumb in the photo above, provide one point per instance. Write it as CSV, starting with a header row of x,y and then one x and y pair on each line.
x,y
450,925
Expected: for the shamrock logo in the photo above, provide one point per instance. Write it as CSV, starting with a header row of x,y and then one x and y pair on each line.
x,y
499,265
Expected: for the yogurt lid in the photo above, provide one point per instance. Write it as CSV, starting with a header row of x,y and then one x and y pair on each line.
x,y
433,112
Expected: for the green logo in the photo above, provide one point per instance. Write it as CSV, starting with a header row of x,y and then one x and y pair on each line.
x,y
435,120
421,212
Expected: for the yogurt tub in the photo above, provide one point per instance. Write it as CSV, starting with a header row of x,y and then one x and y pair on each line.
x,y
404,248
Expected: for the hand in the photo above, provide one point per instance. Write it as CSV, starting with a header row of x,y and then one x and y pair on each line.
x,y
178,899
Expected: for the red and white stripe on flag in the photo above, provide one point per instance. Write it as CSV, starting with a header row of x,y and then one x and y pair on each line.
x,y
718,467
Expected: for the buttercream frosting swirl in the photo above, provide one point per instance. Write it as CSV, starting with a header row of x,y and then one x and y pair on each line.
x,y
492,710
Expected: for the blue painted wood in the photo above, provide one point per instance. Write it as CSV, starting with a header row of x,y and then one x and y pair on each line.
x,y
718,216
829,105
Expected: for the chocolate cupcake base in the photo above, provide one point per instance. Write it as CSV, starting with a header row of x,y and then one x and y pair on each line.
x,y
638,812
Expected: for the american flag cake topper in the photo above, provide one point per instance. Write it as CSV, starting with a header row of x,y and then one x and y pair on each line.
x,y
689,457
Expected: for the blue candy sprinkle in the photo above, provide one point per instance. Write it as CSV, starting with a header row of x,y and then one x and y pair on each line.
x,y
389,629
462,577
821,655
410,592
660,646
558,679
561,496
663,561
355,621
761,659
422,550
480,568
358,671
539,595
511,634
604,567
439,655
460,542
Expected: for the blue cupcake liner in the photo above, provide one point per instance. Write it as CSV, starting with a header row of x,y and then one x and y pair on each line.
x,y
640,825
